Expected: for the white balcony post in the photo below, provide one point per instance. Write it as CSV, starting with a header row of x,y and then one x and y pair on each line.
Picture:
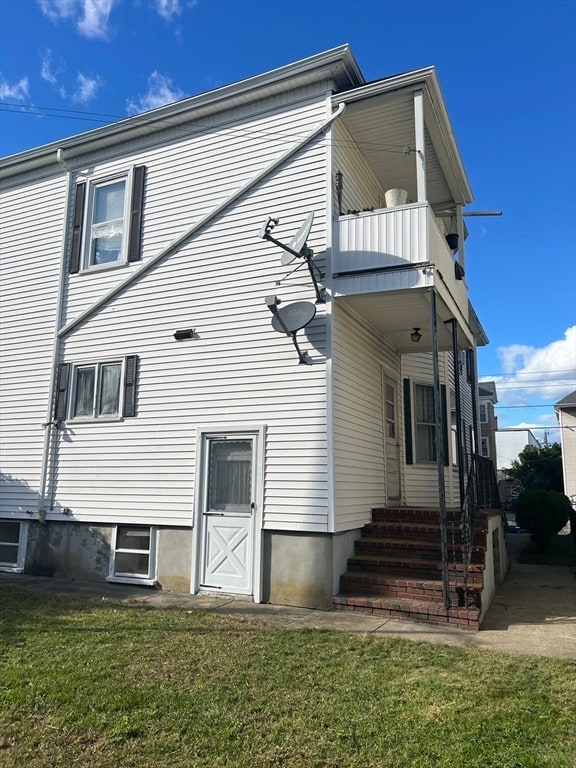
x,y
461,245
419,140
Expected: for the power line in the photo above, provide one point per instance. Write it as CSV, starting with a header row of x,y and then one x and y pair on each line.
x,y
530,373
30,109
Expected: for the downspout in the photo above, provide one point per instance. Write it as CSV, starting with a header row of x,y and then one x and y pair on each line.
x,y
439,452
50,425
181,239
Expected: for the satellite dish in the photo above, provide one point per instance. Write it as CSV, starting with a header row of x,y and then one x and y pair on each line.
x,y
297,247
298,242
290,319
293,317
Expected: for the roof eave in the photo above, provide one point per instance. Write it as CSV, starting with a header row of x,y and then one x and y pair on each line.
x,y
337,64
427,79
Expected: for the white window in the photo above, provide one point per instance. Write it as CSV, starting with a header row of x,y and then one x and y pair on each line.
x,y
425,423
105,390
107,221
483,413
97,390
12,545
485,447
107,216
133,555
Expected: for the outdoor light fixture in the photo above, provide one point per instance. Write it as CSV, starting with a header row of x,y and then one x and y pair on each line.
x,y
185,333
416,335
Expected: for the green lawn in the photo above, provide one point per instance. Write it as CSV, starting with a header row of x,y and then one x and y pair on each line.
x,y
86,682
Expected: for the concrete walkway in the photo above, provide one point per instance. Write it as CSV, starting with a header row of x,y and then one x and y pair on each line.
x,y
534,611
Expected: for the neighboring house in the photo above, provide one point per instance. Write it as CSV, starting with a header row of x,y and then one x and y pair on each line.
x,y
156,428
488,420
566,414
509,445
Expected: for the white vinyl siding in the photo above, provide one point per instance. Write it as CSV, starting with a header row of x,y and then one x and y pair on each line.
x,y
357,408
196,170
360,188
237,369
31,226
421,479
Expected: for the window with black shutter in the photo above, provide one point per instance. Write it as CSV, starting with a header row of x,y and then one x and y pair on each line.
x,y
103,390
107,223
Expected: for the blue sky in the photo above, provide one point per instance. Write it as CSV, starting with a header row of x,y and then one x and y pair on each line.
x,y
507,70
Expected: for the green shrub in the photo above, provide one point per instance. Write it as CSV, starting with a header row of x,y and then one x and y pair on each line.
x,y
542,514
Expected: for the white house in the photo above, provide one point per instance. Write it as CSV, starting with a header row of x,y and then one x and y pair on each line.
x,y
156,427
566,414
510,443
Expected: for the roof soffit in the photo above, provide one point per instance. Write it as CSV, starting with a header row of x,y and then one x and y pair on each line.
x,y
398,91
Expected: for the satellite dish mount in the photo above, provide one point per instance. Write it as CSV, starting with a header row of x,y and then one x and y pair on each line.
x,y
296,249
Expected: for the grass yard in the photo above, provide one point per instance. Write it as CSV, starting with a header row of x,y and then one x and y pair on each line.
x,y
87,682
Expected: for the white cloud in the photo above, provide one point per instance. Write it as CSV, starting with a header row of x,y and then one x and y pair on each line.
x,y
58,9
161,90
90,16
14,91
168,9
86,88
47,71
537,373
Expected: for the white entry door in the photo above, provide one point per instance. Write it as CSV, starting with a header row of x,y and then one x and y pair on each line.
x,y
228,514
391,440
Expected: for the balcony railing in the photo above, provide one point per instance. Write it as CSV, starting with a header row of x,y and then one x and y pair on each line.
x,y
396,239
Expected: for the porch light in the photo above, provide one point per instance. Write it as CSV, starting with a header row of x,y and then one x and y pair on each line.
x,y
416,335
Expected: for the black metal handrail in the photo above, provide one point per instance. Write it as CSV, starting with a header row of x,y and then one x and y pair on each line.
x,y
481,493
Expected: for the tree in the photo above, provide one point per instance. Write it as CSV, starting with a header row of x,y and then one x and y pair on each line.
x,y
542,514
539,468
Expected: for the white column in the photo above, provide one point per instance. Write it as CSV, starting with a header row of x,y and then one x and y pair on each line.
x,y
419,140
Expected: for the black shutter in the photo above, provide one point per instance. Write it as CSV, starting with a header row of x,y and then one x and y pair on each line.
x,y
61,401
408,421
76,248
136,206
445,425
130,373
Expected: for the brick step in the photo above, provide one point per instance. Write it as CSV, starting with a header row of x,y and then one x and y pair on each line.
x,y
401,582
408,565
396,547
414,609
416,515
359,582
420,531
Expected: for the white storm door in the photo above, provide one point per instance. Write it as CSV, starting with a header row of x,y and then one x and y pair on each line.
x,y
228,514
391,440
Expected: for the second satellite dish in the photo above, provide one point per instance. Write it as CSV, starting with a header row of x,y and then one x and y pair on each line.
x,y
293,317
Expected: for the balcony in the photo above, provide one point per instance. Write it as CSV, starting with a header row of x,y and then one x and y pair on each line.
x,y
384,265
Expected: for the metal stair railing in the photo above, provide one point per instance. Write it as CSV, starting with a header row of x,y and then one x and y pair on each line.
x,y
481,493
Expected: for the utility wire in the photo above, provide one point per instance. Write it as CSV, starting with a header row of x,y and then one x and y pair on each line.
x,y
30,109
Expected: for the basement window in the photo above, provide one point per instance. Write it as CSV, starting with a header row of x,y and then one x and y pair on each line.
x,y
12,545
133,558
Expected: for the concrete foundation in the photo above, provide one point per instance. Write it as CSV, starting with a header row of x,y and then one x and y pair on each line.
x,y
69,550
82,551
174,559
303,569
